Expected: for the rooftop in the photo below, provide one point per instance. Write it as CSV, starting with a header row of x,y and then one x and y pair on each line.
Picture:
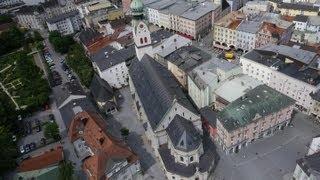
x,y
100,89
249,26
109,56
298,6
188,57
209,72
301,18
158,36
63,16
92,128
207,160
30,10
310,164
41,161
296,63
200,10
258,102
183,134
182,8
88,35
236,86
66,92
170,44
209,115
314,20
157,89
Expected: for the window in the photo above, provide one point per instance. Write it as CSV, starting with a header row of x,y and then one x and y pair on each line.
x,y
173,177
145,39
181,143
141,41
191,159
181,158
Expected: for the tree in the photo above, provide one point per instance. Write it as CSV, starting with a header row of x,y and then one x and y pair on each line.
x,y
52,131
60,43
37,36
11,40
8,151
5,19
124,132
80,64
66,171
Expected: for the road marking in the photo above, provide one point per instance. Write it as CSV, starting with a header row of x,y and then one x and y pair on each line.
x,y
267,153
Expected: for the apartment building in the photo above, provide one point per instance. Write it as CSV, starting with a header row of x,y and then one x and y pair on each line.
x,y
67,23
289,70
307,29
238,30
207,77
191,19
256,7
31,17
294,9
111,64
257,114
98,10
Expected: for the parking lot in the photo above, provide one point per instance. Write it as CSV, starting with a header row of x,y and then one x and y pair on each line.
x,y
33,127
273,158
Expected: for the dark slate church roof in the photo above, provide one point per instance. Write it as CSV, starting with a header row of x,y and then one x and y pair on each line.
x,y
156,88
183,134
100,89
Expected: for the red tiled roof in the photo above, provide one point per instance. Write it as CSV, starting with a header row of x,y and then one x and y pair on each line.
x,y
104,145
42,161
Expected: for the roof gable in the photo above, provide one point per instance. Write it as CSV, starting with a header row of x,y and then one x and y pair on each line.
x,y
183,134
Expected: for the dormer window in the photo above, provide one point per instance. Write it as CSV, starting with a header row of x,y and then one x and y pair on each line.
x,y
182,143
101,140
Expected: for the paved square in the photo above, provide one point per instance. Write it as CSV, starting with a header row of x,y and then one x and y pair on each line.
x,y
272,158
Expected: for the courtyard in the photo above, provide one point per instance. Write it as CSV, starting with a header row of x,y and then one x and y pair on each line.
x,y
272,158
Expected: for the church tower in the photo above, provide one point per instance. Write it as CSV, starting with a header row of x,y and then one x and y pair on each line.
x,y
141,33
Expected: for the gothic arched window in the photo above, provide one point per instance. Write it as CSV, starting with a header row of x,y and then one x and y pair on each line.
x,y
145,39
141,40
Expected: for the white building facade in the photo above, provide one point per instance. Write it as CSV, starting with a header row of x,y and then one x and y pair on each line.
x,y
66,24
293,87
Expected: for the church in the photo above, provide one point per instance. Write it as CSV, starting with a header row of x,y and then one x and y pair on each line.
x,y
171,123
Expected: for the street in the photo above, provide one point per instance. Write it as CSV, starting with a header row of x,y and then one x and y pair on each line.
x,y
271,158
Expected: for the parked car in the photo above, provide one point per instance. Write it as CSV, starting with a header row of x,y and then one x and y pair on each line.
x,y
28,128
22,149
32,146
43,141
51,118
37,122
38,128
14,138
27,148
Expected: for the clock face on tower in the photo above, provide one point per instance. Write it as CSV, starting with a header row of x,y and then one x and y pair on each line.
x,y
142,28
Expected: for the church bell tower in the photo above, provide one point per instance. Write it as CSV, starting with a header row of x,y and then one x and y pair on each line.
x,y
141,33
